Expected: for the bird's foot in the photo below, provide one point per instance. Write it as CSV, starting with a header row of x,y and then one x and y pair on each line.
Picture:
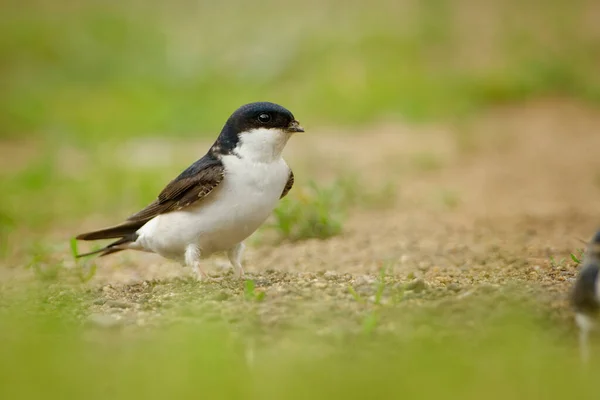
x,y
205,278
235,257
201,276
239,274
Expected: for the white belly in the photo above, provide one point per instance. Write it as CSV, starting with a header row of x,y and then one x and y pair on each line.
x,y
233,211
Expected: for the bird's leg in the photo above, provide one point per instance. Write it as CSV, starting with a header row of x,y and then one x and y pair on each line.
x,y
235,257
192,259
585,325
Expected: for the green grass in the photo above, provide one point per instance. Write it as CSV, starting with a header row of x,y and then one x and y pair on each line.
x,y
103,71
319,211
475,352
575,258
314,212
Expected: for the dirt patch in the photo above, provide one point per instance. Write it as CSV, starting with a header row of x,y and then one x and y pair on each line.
x,y
483,204
526,186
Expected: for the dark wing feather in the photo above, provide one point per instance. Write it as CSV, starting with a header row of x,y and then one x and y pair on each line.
x,y
193,184
288,185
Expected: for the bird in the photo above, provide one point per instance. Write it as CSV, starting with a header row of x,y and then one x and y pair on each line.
x,y
219,200
585,294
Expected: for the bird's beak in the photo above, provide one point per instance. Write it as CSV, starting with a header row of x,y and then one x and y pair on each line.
x,y
294,126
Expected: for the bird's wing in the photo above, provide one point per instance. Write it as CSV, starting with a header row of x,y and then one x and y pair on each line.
x,y
192,185
288,185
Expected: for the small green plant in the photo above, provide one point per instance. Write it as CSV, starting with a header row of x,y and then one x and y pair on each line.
x,y
74,250
577,259
250,292
356,296
319,212
45,272
372,318
315,212
82,266
370,322
380,285
41,263
556,264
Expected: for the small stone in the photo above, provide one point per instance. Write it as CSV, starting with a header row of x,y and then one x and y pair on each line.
x,y
423,266
118,304
99,302
417,285
330,275
321,285
364,280
453,287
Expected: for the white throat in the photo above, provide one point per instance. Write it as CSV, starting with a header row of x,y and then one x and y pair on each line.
x,y
262,145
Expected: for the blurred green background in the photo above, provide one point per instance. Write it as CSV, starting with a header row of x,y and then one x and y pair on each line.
x,y
100,104
87,86
94,70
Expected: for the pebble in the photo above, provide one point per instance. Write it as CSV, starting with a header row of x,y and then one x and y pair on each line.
x,y
118,304
364,280
417,285
330,275
453,287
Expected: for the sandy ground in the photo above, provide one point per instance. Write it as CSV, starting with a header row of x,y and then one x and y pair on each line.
x,y
507,190
480,204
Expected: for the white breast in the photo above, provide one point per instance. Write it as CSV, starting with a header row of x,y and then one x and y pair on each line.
x,y
245,198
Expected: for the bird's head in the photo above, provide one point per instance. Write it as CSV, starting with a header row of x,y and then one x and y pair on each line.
x,y
258,131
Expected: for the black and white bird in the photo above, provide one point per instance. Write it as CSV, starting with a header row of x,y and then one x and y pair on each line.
x,y
585,296
220,200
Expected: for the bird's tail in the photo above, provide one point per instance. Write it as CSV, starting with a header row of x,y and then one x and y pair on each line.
x,y
114,247
118,231
126,233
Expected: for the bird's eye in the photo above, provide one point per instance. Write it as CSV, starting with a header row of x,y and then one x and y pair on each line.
x,y
264,118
